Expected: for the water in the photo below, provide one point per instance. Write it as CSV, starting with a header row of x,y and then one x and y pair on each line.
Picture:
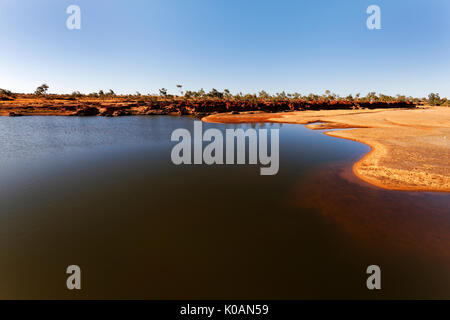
x,y
102,193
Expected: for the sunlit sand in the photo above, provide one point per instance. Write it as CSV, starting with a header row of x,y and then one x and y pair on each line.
x,y
410,147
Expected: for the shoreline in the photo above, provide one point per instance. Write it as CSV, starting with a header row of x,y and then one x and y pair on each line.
x,y
54,105
410,148
409,145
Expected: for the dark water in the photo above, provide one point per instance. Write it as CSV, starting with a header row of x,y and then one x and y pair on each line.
x,y
103,194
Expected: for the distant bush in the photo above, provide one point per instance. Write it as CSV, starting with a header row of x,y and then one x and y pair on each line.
x,y
215,94
434,99
6,92
225,97
41,90
6,95
76,94
163,92
445,102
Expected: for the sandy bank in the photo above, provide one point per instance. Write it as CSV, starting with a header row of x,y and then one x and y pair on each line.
x,y
410,147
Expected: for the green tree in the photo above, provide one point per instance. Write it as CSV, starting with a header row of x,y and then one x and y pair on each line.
x,y
6,92
215,94
434,99
372,96
227,94
201,93
6,95
41,90
188,94
281,95
263,95
76,94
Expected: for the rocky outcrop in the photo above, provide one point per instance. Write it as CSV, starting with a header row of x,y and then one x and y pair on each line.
x,y
86,112
15,114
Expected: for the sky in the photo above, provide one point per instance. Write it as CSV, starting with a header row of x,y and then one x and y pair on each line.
x,y
242,45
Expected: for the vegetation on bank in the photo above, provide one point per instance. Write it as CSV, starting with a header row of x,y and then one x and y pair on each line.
x,y
42,91
196,103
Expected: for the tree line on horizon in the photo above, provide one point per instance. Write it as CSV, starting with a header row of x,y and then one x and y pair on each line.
x,y
433,99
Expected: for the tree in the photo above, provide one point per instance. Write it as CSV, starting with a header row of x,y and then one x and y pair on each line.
x,y
5,92
385,98
163,92
445,102
227,93
371,96
6,95
200,93
434,99
179,86
188,94
328,95
76,94
215,94
313,97
263,95
401,97
42,89
281,95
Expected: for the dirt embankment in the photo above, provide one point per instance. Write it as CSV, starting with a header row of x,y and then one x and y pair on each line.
x,y
122,106
410,147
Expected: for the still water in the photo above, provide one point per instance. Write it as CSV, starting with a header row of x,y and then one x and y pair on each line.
x,y
102,193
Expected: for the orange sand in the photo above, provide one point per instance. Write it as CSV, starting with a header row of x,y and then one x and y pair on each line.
x,y
410,147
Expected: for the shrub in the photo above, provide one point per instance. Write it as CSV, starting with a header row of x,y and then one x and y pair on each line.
x,y
41,90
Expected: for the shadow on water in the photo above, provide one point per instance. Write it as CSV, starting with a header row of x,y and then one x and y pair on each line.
x,y
103,194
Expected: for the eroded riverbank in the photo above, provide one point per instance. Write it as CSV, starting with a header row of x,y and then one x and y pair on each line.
x,y
114,106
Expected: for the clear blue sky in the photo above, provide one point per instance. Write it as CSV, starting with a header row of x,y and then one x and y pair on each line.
x,y
243,45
